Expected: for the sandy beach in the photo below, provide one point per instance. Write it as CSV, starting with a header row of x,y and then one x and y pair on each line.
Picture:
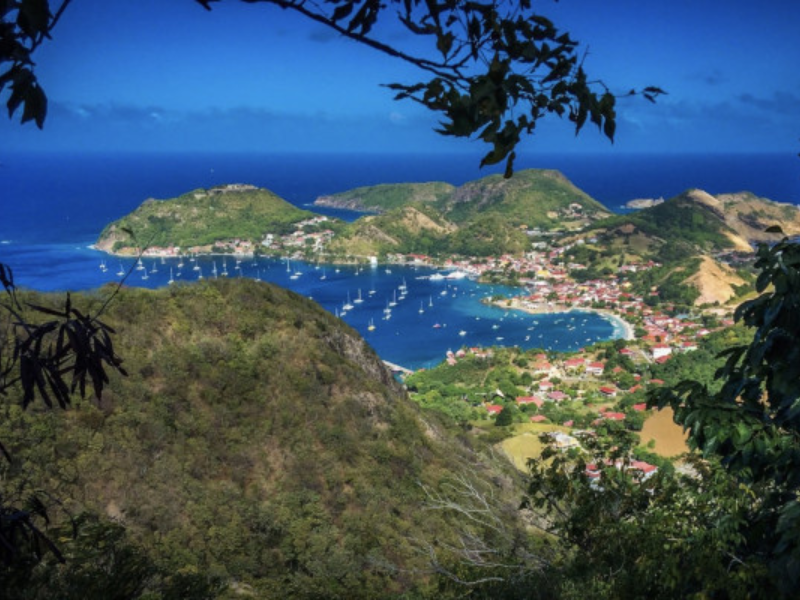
x,y
621,326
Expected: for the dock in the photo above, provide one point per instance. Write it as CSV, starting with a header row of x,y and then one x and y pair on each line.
x,y
397,368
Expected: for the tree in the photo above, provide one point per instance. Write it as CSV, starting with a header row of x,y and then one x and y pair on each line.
x,y
496,67
751,423
504,418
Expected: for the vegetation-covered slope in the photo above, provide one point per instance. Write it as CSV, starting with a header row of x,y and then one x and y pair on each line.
x,y
380,198
483,217
201,217
531,198
258,439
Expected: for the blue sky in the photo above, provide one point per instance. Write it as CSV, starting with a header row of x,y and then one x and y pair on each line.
x,y
133,75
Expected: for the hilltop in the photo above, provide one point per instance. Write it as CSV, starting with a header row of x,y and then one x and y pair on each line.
x,y
260,440
488,216
201,218
383,197
699,240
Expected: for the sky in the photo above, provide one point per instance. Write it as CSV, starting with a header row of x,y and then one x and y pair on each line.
x,y
156,75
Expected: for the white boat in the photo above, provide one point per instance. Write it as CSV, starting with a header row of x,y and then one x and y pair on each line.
x,y
171,278
371,326
224,272
394,300
144,274
462,333
139,265
371,291
347,305
214,269
430,301
154,268
436,277
421,310
359,300
103,267
121,272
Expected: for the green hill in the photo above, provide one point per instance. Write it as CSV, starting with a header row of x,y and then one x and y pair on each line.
x,y
380,198
202,217
483,217
532,198
259,440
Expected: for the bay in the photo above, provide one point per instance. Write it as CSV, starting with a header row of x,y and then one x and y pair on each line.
x,y
54,207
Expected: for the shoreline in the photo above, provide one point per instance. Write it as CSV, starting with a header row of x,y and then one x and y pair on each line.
x,y
617,321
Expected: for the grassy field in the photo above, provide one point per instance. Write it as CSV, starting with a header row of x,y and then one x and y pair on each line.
x,y
526,443
669,438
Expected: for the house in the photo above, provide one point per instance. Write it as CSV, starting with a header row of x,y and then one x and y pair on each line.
x,y
574,363
641,407
545,385
538,419
522,400
595,368
613,416
660,350
494,409
608,391
557,396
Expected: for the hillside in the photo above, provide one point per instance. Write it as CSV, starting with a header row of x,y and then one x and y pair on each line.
x,y
257,439
380,198
697,222
201,217
483,217
533,198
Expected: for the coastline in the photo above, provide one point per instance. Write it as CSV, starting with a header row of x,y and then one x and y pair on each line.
x,y
620,325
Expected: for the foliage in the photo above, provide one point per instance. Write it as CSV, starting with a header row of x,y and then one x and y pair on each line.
x,y
383,197
751,421
24,25
256,439
486,217
624,536
202,217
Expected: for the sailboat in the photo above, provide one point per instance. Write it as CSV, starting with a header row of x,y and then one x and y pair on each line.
x,y
371,326
144,274
214,269
200,274
430,301
372,291
394,299
347,305
139,265
171,279
224,271
421,310
121,271
154,268
358,300
324,276
103,266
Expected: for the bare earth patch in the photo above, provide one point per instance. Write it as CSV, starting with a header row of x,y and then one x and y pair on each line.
x,y
715,282
670,440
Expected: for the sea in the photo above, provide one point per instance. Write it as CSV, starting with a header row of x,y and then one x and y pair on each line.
x,y
55,205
